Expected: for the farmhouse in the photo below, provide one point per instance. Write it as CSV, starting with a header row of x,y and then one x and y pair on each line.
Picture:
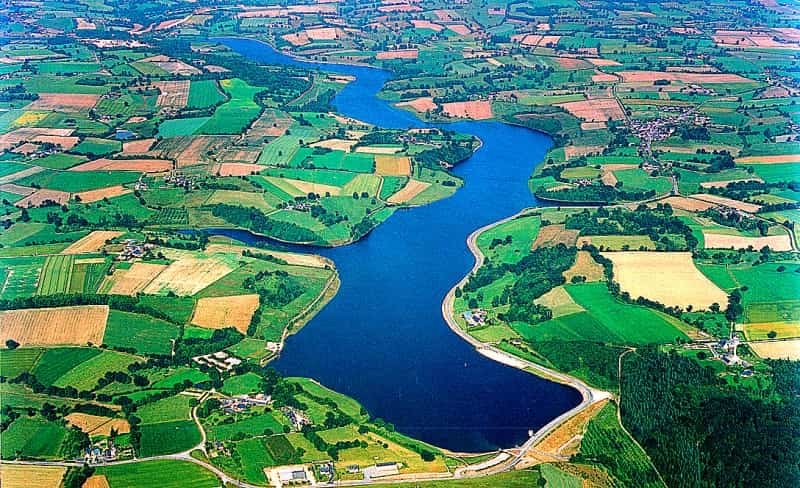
x,y
382,469
475,318
220,360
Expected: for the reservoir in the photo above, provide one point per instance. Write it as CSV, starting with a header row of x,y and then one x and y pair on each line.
x,y
382,339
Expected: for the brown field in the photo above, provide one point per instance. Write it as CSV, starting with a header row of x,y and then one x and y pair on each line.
x,y
552,235
336,144
427,24
778,349
64,102
238,154
65,142
585,266
608,178
651,76
560,439
778,159
177,67
409,191
559,302
96,481
172,94
603,62
399,54
568,63
17,189
222,312
593,125
144,165
670,278
578,151
101,193
600,77
728,202
422,104
96,424
722,241
23,134
194,152
21,476
689,204
237,169
460,29
77,325
134,279
723,184
392,165
41,196
308,187
595,110
322,34
272,123
297,38
188,275
93,242
32,170
476,110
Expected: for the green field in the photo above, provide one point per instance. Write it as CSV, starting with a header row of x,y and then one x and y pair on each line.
x,y
204,93
143,333
168,437
32,437
242,384
77,181
521,231
84,375
181,127
161,473
56,274
169,409
255,425
14,362
56,362
233,116
20,276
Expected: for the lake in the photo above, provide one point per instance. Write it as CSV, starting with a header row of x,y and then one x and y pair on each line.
x,y
382,339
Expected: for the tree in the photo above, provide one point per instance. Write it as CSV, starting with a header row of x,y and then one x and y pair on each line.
x,y
12,344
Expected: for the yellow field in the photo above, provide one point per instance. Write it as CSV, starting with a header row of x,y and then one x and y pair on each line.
x,y
133,280
409,191
96,424
722,241
585,266
96,481
19,476
670,278
221,312
778,349
559,301
30,118
294,259
392,165
188,275
307,187
93,242
55,326
761,330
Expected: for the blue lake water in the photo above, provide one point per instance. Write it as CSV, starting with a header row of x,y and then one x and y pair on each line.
x,y
382,339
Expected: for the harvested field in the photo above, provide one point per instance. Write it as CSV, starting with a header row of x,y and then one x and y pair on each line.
x,y
553,235
387,165
422,104
399,54
723,184
555,442
689,204
194,152
336,144
585,266
777,349
728,202
134,279
96,481
172,94
237,154
309,187
595,110
378,149
600,77
41,196
476,110
24,134
17,189
77,325
670,278
101,193
93,242
294,259
64,142
96,424
427,24
237,169
143,165
322,34
409,191
762,330
571,63
297,38
64,102
559,302
722,241
188,275
603,62
272,123
460,29
571,151
222,312
700,78
608,178
778,159
20,174
22,476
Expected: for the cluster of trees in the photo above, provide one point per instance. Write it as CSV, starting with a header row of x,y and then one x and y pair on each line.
x,y
276,288
256,221
450,153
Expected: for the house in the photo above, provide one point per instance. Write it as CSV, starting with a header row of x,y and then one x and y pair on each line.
x,y
292,475
353,469
383,469
475,318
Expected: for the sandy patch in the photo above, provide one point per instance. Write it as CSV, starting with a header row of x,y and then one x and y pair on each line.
x,y
670,278
92,242
778,159
172,94
585,266
142,165
422,104
96,424
83,24
476,110
222,312
41,197
552,235
728,202
778,349
99,194
336,144
399,54
409,191
237,169
595,110
134,279
559,302
22,476
387,165
64,102
78,325
188,275
722,241
700,78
